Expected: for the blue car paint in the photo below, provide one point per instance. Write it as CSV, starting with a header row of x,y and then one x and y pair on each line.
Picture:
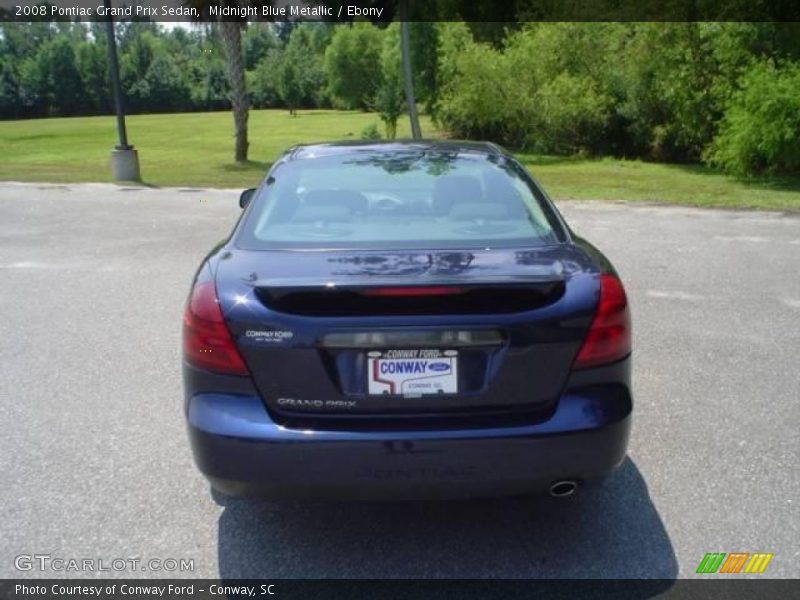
x,y
577,426
244,452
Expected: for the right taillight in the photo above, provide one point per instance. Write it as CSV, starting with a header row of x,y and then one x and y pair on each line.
x,y
207,342
609,336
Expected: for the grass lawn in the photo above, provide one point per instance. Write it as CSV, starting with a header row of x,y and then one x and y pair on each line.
x,y
195,149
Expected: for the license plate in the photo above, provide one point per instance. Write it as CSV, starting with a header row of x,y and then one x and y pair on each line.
x,y
412,372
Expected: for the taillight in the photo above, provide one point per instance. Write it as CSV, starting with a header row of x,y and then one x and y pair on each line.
x,y
609,336
412,291
207,342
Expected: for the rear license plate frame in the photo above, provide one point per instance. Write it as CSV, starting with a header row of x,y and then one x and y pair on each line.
x,y
412,372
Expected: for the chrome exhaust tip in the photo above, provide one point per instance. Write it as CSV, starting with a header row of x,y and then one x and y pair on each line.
x,y
563,489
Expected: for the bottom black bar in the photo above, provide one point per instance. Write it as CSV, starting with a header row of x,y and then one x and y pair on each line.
x,y
344,589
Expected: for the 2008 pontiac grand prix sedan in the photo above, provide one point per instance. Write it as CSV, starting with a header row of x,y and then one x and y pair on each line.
x,y
401,320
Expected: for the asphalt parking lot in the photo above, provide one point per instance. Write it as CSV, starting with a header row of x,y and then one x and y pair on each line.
x,y
96,463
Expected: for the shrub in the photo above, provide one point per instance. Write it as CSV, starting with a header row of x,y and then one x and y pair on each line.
x,y
573,114
371,132
543,91
760,131
478,96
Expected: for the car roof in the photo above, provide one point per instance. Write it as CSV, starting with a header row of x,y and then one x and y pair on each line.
x,y
305,151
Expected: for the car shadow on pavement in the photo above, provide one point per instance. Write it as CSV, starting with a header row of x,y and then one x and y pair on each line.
x,y
610,530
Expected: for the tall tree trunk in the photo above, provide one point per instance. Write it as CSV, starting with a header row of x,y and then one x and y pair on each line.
x,y
231,34
408,77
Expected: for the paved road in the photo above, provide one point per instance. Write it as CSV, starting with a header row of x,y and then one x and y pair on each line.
x,y
96,464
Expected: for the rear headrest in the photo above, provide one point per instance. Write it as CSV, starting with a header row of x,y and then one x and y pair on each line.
x,y
318,212
470,211
502,191
354,201
450,189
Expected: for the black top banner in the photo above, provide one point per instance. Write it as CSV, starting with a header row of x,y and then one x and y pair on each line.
x,y
388,10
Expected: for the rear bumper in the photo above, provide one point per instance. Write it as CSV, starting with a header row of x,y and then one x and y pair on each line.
x,y
243,452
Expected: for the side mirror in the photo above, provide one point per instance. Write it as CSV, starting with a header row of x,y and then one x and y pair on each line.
x,y
246,196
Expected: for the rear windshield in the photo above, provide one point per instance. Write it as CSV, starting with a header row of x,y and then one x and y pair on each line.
x,y
371,200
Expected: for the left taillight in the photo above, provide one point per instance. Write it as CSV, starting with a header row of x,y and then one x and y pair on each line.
x,y
207,342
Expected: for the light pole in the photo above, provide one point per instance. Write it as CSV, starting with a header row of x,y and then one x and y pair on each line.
x,y
124,158
408,77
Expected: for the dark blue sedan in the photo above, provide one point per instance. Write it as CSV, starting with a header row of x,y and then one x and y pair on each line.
x,y
402,320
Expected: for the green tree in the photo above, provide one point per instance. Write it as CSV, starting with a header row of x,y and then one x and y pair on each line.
x,y
389,100
50,80
209,85
300,72
92,64
135,60
9,91
128,32
425,58
263,80
258,40
352,65
167,88
65,79
290,85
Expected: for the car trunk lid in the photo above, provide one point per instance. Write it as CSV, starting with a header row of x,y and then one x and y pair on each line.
x,y
478,331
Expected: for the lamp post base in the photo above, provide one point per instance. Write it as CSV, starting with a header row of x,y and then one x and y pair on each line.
x,y
125,164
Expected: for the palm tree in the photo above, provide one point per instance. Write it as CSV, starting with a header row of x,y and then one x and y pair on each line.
x,y
231,34
230,31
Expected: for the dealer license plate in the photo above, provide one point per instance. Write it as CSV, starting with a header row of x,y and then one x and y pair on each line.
x,y
412,372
